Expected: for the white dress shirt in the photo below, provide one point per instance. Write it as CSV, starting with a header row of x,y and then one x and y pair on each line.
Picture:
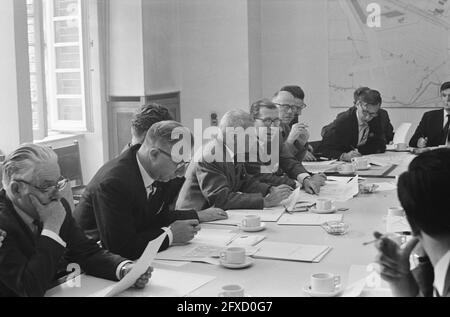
x,y
148,182
440,273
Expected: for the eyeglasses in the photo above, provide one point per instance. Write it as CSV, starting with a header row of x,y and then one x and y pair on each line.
x,y
269,122
59,186
366,112
292,107
181,165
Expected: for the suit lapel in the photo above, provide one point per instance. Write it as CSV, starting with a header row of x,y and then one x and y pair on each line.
x,y
354,129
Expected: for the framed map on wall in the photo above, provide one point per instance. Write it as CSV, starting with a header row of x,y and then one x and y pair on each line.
x,y
405,54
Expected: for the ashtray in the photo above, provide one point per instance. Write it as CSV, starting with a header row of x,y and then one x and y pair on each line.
x,y
367,188
337,228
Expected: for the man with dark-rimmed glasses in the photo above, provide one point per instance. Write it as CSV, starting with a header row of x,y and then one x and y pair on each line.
x,y
359,131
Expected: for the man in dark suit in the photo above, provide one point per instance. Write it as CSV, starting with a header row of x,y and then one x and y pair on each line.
x,y
359,131
43,238
433,129
217,175
423,193
130,197
266,116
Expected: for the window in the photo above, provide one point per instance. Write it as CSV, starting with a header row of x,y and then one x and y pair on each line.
x,y
58,66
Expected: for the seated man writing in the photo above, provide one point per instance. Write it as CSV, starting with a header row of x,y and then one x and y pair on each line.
x,y
358,131
43,237
216,177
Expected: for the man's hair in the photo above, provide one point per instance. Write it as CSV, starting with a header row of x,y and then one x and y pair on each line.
x,y
445,86
235,119
147,116
371,97
161,134
295,91
255,108
424,193
23,161
358,92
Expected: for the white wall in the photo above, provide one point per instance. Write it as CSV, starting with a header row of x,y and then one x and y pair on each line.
x,y
126,48
15,105
295,51
214,58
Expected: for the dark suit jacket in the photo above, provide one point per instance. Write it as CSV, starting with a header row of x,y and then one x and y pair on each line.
x,y
30,263
225,184
126,219
342,135
432,127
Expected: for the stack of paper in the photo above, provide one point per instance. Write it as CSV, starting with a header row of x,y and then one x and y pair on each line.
x,y
291,251
236,216
308,219
321,167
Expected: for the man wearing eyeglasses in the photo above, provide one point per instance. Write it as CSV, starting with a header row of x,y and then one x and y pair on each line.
x,y
130,198
290,101
43,237
433,129
358,131
267,115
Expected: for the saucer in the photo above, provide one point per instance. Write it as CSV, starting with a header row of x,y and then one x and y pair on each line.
x,y
253,229
314,210
307,289
248,262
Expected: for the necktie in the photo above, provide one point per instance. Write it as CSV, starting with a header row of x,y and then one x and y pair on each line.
x,y
364,134
155,197
446,130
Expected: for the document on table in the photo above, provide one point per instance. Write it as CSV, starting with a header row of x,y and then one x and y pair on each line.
x,y
236,216
321,167
385,187
163,283
207,245
291,251
308,219
340,189
401,133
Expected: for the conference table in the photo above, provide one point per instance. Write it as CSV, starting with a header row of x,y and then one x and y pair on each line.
x,y
275,278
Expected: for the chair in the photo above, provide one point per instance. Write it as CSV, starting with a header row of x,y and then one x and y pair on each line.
x,y
69,161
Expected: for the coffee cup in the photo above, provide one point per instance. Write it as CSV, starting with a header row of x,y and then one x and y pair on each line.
x,y
233,255
323,204
396,211
232,290
325,282
346,169
401,147
251,221
360,163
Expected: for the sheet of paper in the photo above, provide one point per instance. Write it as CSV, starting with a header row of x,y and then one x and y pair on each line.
x,y
291,251
397,224
216,236
164,283
139,268
321,167
385,187
308,219
339,190
165,263
401,133
236,216
245,240
365,277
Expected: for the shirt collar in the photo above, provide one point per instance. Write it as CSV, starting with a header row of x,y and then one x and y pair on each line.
x,y
148,181
440,273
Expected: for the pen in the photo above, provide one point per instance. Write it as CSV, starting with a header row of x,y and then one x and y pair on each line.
x,y
350,180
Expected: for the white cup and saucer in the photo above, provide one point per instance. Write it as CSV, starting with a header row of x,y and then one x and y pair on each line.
x,y
324,285
234,258
323,206
252,223
361,163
